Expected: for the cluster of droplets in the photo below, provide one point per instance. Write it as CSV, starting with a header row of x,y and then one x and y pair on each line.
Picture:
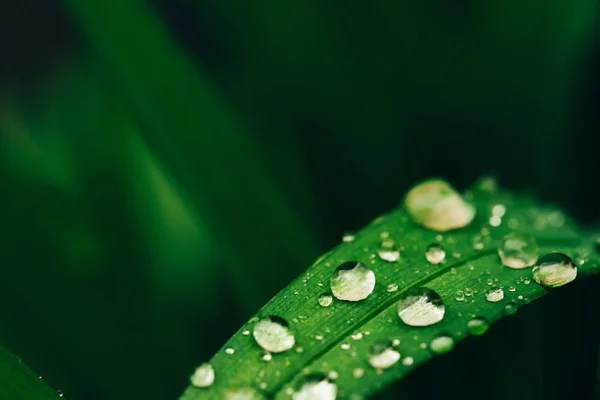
x,y
436,206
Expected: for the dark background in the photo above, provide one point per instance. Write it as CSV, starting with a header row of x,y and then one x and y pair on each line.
x,y
167,166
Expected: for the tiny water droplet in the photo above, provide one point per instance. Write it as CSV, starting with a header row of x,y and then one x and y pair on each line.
x,y
357,336
395,342
554,270
392,287
345,346
229,350
437,206
246,332
382,355
358,373
499,210
349,236
512,288
495,221
494,295
460,295
242,393
267,356
468,292
435,253
510,308
442,344
316,387
408,361
333,375
352,281
203,376
325,300
273,334
518,250
478,326
388,251
421,307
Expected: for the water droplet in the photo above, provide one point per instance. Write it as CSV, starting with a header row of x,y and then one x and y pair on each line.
x,y
395,342
203,376
388,251
436,205
554,270
229,350
512,288
325,300
357,336
242,393
408,361
478,326
246,332
494,295
435,253
345,346
273,334
442,344
499,210
348,236
495,221
460,295
333,375
392,287
421,307
510,308
352,281
316,387
267,356
382,355
358,373
468,292
518,250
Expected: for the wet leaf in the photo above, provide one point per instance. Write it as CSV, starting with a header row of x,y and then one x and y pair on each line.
x,y
18,382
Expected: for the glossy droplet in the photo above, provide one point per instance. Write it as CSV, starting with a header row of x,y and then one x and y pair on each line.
x,y
510,308
273,334
358,373
316,387
459,295
348,236
494,295
436,205
518,250
478,326
408,361
382,355
554,270
203,376
435,253
442,344
325,300
242,393
421,307
392,287
352,281
388,251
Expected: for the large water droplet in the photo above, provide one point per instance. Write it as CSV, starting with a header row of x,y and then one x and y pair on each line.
x,y
242,393
388,251
436,205
316,387
554,270
382,355
203,376
518,250
494,295
352,281
273,334
478,326
442,344
325,300
435,253
421,307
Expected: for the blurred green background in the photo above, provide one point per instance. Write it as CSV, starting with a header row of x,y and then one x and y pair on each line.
x,y
167,166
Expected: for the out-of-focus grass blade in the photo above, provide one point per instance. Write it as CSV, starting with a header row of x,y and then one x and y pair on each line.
x,y
18,382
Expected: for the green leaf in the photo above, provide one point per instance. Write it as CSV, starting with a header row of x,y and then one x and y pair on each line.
x,y
18,382
327,338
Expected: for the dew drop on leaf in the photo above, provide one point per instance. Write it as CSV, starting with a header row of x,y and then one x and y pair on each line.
x,y
459,295
325,300
510,308
203,376
382,355
437,206
316,387
408,361
392,287
554,270
273,334
348,236
494,295
421,307
518,250
358,373
388,251
242,393
478,326
442,344
352,281
435,253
